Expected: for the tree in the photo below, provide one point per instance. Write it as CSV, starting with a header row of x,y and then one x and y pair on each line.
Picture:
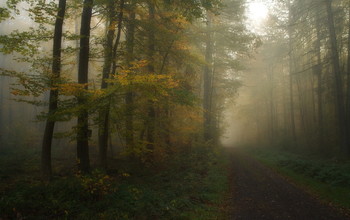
x,y
207,81
291,91
151,50
83,120
129,99
53,100
109,67
339,94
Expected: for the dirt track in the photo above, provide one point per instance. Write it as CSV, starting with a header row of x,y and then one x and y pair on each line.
x,y
259,193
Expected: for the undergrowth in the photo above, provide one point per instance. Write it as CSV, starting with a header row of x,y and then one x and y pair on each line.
x,y
329,179
189,185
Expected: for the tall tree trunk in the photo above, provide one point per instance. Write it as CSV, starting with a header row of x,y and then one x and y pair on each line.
x,y
348,83
151,70
110,58
207,81
319,73
129,97
46,170
291,92
83,117
339,94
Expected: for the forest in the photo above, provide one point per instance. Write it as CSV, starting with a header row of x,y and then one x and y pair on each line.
x,y
175,109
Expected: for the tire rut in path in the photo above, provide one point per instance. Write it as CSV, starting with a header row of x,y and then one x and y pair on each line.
x,y
258,193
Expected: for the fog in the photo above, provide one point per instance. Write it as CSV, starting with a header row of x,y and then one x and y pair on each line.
x,y
125,105
260,111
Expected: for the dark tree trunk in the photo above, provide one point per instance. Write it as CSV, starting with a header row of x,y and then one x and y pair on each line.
x,y
83,69
207,82
104,113
129,97
110,58
339,94
46,170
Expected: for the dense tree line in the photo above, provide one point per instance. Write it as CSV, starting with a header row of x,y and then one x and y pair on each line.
x,y
303,73
155,73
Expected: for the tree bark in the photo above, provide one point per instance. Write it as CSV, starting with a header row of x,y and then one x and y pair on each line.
x,y
83,69
46,168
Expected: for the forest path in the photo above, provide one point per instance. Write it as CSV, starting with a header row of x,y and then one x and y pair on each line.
x,y
259,193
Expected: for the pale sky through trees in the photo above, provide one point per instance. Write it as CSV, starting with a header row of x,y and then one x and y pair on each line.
x,y
257,12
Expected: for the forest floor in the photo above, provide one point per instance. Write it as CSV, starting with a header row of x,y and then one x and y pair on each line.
x,y
259,192
189,184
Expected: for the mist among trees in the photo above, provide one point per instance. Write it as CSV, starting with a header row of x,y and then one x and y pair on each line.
x,y
119,109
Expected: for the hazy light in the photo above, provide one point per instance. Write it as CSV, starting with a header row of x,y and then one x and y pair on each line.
x,y
257,11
